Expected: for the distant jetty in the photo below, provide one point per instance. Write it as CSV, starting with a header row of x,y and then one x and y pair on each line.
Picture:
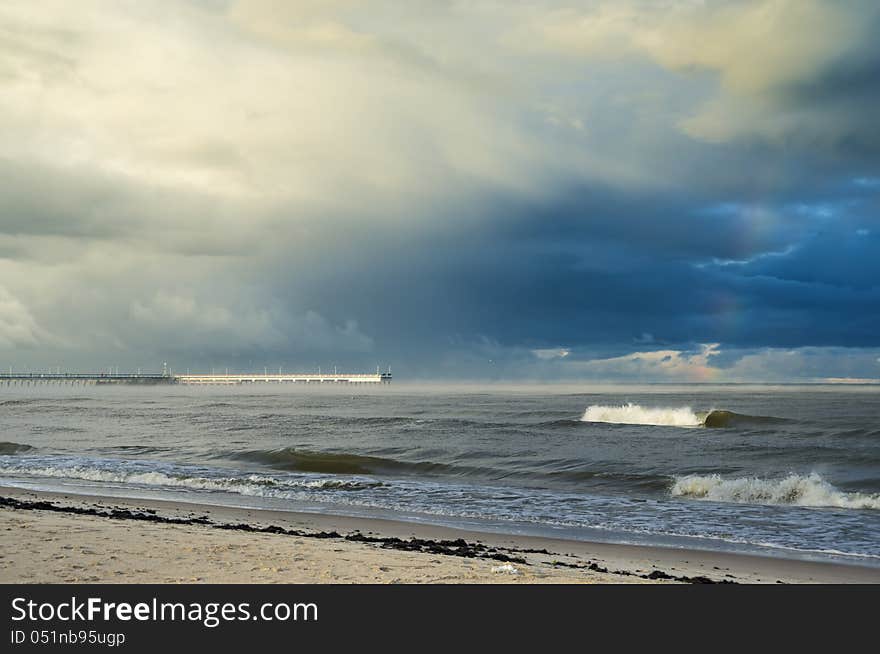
x,y
195,379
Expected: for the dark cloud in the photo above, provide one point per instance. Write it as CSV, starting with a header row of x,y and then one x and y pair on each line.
x,y
839,101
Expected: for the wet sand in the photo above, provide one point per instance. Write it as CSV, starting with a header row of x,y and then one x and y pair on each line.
x,y
56,538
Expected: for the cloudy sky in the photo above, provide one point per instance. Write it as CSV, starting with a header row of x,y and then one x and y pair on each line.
x,y
628,190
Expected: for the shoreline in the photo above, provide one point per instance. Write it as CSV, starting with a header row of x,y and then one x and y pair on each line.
x,y
58,537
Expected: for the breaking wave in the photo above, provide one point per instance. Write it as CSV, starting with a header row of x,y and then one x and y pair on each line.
x,y
8,447
634,414
797,490
253,484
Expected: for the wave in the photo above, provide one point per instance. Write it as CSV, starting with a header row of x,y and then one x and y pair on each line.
x,y
336,463
797,490
57,429
566,472
721,419
342,420
134,450
634,414
559,423
254,485
8,447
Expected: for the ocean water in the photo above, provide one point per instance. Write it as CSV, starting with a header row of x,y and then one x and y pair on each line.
x,y
782,470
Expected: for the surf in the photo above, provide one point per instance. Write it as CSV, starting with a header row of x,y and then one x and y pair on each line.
x,y
794,490
635,414
112,471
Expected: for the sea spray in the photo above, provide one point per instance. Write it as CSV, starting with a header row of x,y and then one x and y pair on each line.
x,y
634,414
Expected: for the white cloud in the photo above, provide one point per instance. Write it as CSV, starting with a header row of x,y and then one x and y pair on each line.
x,y
805,364
669,365
551,353
756,49
18,328
813,364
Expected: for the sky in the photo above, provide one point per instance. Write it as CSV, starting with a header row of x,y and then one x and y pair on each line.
x,y
668,190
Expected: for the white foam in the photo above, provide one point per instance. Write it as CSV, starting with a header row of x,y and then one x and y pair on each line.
x,y
797,490
633,414
253,485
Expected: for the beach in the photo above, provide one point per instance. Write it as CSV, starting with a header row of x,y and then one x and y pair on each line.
x,y
57,538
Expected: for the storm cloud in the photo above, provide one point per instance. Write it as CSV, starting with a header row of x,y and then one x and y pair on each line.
x,y
485,190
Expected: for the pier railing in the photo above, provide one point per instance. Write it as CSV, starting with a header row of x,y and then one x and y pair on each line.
x,y
24,378
20,378
287,378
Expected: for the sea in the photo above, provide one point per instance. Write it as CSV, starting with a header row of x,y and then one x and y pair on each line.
x,y
787,471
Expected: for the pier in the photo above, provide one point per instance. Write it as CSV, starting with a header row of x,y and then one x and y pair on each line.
x,y
292,378
81,378
98,378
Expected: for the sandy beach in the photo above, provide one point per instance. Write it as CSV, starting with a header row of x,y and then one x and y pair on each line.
x,y
53,538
